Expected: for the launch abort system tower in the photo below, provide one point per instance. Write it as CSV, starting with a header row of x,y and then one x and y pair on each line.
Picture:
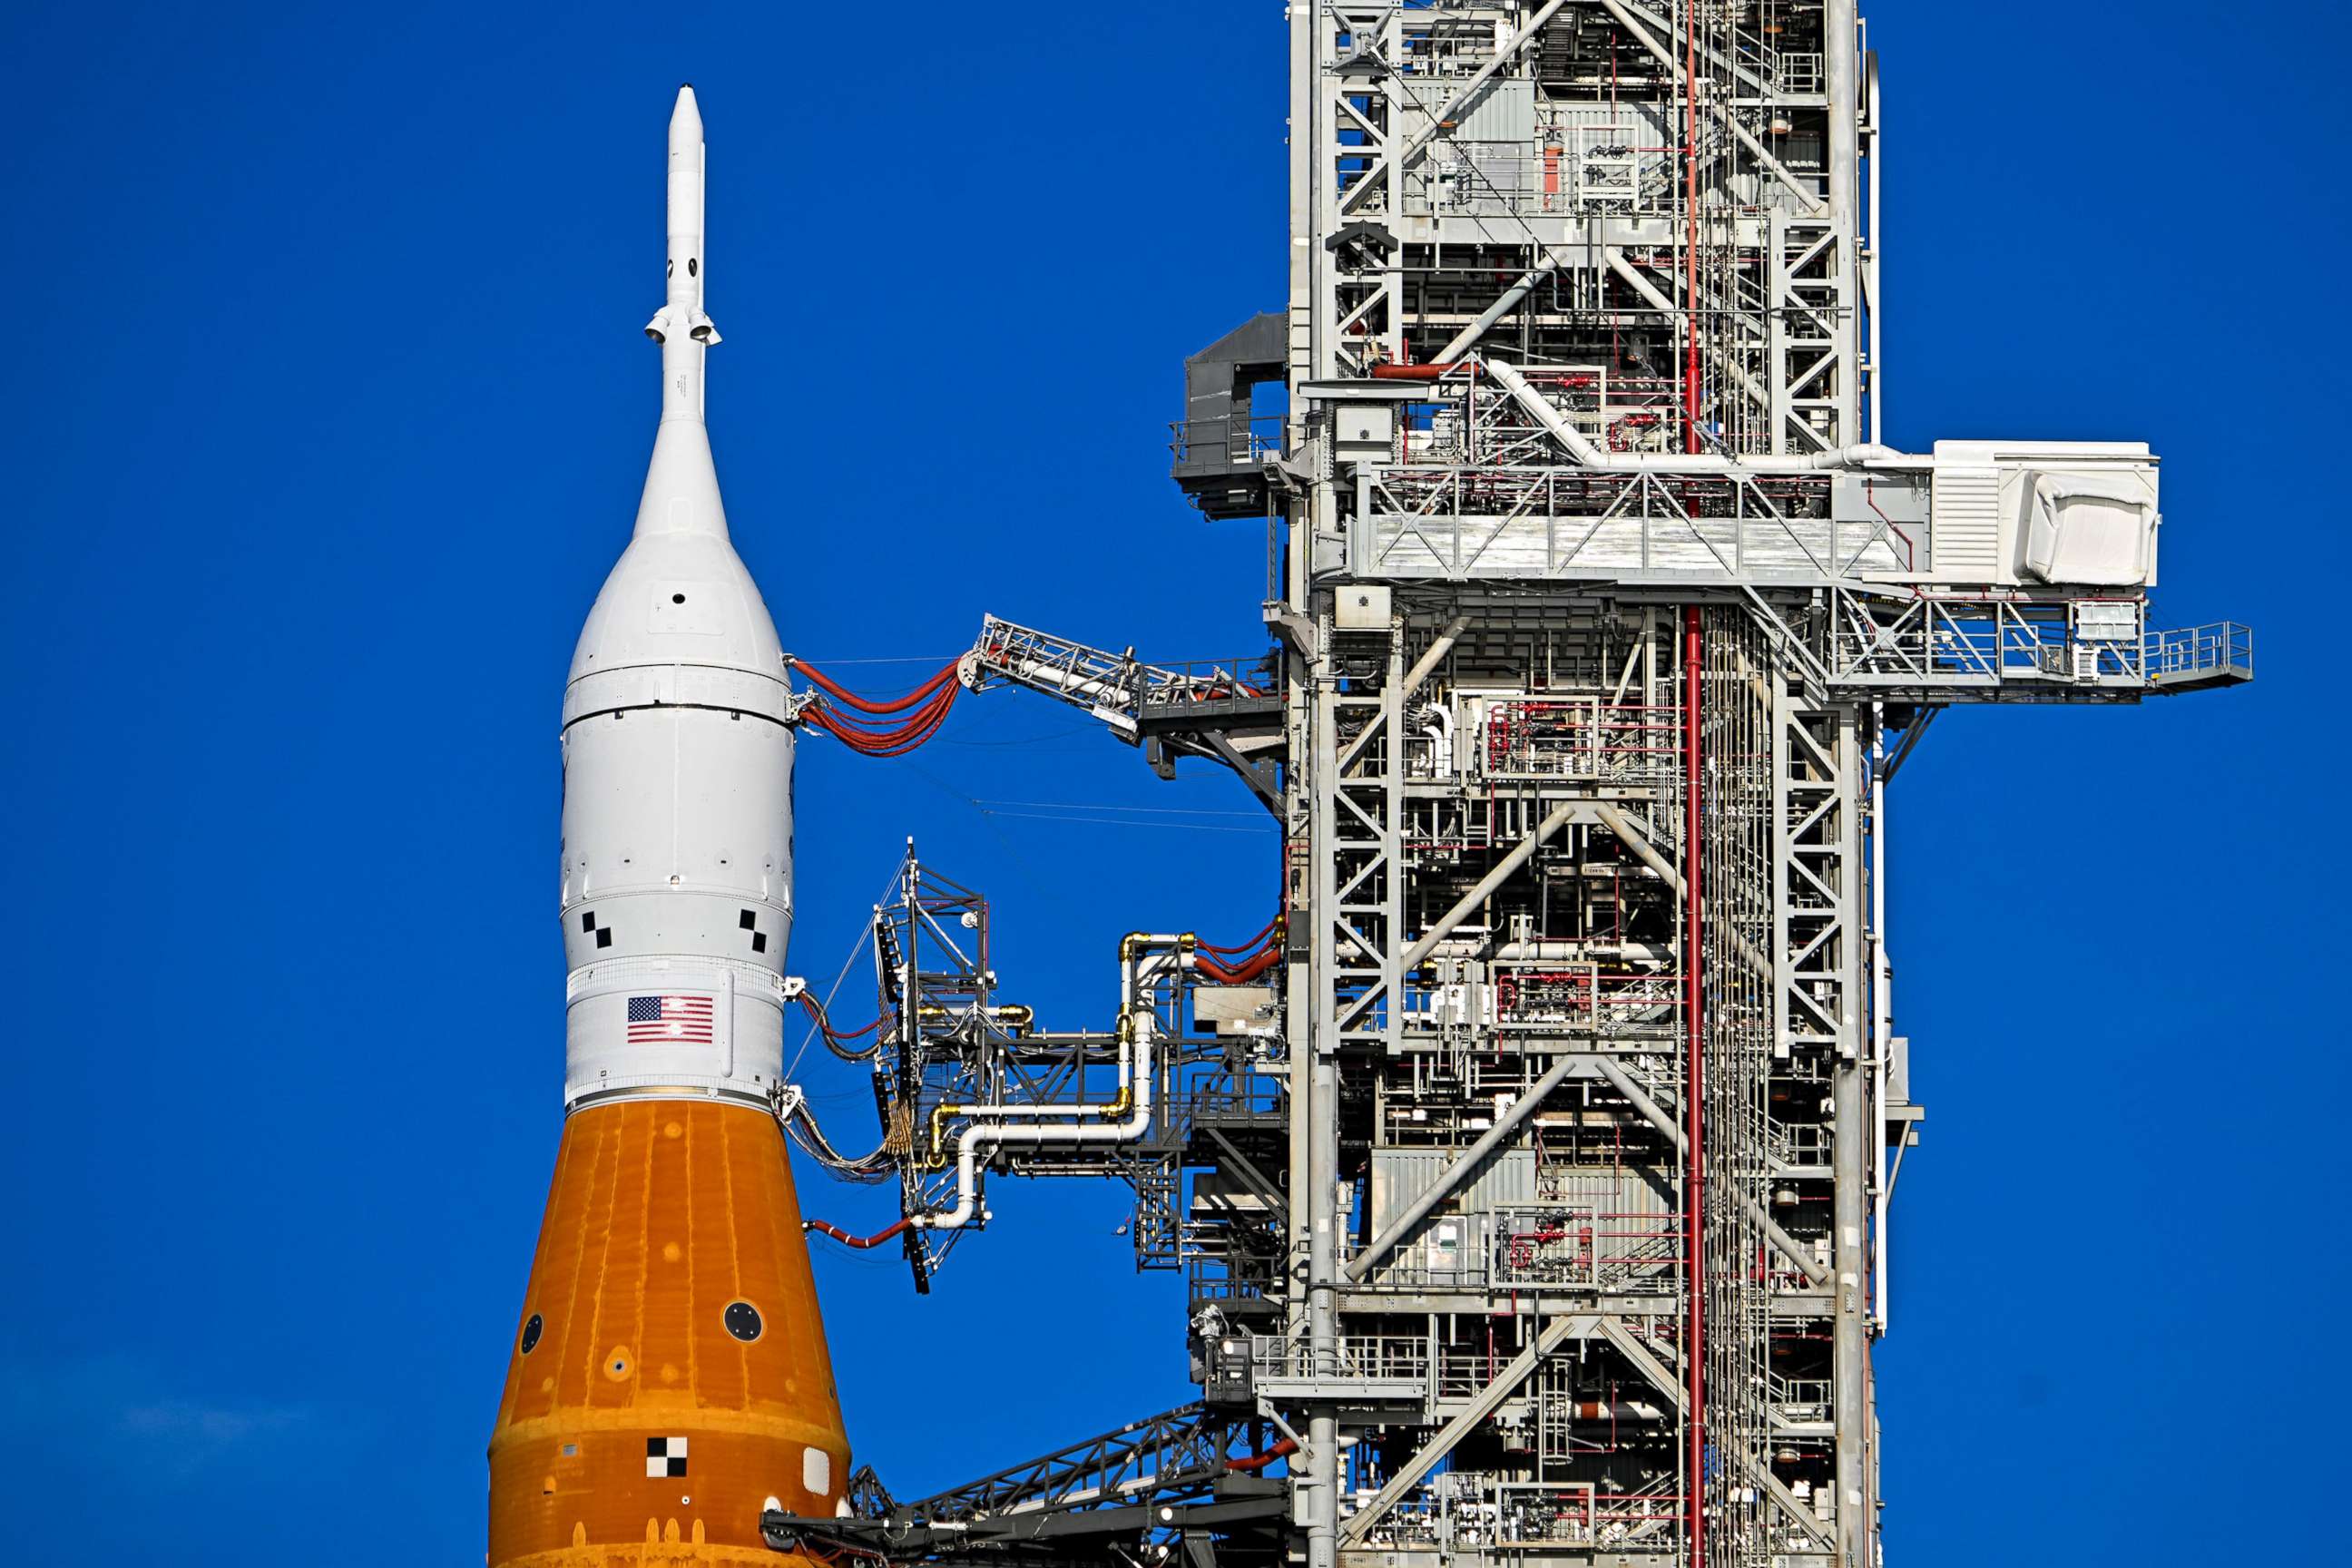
x,y
1531,1180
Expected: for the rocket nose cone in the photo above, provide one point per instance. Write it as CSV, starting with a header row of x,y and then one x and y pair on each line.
x,y
686,122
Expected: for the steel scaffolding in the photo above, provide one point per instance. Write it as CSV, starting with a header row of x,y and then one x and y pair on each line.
x,y
1531,1175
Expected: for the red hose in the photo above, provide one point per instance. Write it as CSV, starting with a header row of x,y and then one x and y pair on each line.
x,y
816,1010
1281,1451
1248,959
873,729
859,1242
1250,945
864,724
1240,974
919,727
866,705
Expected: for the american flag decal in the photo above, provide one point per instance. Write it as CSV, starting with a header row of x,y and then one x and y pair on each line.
x,y
670,1020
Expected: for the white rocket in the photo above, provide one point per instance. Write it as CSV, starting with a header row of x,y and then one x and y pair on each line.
x,y
668,1377
677,761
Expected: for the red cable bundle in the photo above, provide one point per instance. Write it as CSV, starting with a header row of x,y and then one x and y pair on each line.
x,y
855,722
1250,945
1263,952
1241,973
860,1241
816,1010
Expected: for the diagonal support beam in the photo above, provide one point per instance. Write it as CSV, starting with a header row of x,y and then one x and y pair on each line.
x,y
1443,926
1648,290
1655,1115
1618,823
1258,774
1461,1169
1435,654
1437,121
1813,205
1614,1331
1442,1442
1780,1493
1256,1178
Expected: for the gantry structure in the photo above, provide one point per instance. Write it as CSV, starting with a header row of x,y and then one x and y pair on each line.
x,y
1531,1174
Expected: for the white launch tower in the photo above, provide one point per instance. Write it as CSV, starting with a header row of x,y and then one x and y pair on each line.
x,y
1532,1178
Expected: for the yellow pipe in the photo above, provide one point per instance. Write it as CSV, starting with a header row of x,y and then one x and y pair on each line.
x,y
1130,946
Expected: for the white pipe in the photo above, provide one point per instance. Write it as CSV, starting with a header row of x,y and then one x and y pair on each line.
x,y
1131,982
1570,950
1468,336
1621,1410
1437,651
1870,276
1136,1074
1439,730
1882,1003
996,1135
1580,445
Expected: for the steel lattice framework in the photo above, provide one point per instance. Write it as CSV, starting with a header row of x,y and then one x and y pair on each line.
x,y
1533,1190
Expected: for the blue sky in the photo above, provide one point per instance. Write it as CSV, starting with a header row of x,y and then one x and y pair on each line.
x,y
328,413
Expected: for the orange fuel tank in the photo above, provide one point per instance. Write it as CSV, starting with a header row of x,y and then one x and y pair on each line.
x,y
668,1378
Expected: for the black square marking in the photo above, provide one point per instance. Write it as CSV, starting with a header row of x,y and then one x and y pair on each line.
x,y
750,920
665,1457
587,920
604,936
758,941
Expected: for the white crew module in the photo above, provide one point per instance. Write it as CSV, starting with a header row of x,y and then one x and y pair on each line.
x,y
677,762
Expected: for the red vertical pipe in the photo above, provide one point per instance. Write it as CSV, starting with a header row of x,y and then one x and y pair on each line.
x,y
1693,1084
1690,224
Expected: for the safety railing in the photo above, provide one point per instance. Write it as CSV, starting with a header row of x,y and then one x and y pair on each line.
x,y
1467,1510
1247,1096
1799,1398
1614,1002
2223,650
1793,72
1465,524
1956,643
1394,1359
1189,683
1611,173
1116,688
1573,1248
1231,442
1799,1143
1586,737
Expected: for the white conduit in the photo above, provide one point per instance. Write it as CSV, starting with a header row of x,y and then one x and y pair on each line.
x,y
1439,730
1621,1410
1581,448
1502,307
1137,1024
